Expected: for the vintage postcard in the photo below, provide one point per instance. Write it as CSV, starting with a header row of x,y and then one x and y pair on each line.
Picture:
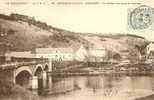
x,y
76,50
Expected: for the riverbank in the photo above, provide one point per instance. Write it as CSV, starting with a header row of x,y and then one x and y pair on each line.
x,y
136,69
10,91
150,97
104,73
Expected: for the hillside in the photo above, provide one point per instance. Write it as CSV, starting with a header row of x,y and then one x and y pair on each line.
x,y
116,42
20,32
19,35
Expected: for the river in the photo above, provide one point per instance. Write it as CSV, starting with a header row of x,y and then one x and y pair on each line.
x,y
100,87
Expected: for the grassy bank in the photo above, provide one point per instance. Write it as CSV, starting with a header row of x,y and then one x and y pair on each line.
x,y
10,91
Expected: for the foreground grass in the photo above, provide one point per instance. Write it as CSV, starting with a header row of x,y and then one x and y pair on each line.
x,y
10,91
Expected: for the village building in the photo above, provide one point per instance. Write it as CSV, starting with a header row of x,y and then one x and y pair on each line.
x,y
124,56
150,50
18,54
150,53
80,53
56,54
23,54
72,53
97,55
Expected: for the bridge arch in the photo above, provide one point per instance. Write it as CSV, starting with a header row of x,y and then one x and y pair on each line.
x,y
23,76
46,67
38,70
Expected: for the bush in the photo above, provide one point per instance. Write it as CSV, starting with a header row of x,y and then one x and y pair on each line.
x,y
6,88
10,32
11,91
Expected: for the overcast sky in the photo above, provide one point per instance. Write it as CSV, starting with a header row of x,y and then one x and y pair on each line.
x,y
100,18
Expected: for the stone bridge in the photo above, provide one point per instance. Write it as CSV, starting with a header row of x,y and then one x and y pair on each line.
x,y
25,73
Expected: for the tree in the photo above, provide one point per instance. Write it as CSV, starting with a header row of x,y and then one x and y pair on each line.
x,y
117,56
10,32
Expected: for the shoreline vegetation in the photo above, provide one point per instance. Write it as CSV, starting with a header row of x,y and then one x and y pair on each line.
x,y
103,73
105,69
10,91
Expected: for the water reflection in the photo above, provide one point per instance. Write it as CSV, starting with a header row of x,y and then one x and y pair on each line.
x,y
97,87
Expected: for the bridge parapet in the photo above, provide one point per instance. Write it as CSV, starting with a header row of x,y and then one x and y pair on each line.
x,y
11,65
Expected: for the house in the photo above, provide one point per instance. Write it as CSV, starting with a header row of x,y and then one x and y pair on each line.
x,y
124,54
150,49
80,53
21,54
56,54
150,53
18,54
76,52
97,55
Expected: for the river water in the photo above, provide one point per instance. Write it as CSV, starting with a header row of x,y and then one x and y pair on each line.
x,y
107,87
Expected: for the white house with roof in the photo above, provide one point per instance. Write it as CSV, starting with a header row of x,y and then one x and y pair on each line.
x,y
80,53
150,51
56,54
97,55
150,48
18,54
76,52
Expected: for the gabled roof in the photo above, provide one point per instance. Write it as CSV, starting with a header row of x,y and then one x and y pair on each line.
x,y
150,44
76,47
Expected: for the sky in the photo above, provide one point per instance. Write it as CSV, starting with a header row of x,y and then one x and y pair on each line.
x,y
103,16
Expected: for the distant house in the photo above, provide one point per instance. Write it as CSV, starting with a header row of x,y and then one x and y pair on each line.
x,y
124,56
80,53
56,54
97,55
150,48
16,54
77,53
24,54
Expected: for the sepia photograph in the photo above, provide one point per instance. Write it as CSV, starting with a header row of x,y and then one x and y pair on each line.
x,y
76,50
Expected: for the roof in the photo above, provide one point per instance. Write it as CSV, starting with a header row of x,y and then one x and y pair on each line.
x,y
53,50
71,49
151,44
24,54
